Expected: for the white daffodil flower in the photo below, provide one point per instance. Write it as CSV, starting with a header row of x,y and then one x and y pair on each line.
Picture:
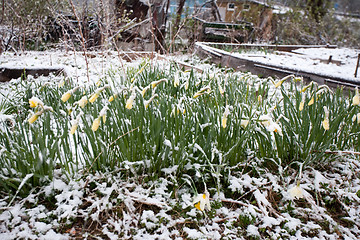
x,y
202,201
296,191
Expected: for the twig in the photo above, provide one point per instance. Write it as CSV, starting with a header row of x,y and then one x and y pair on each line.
x,y
82,39
339,152
357,65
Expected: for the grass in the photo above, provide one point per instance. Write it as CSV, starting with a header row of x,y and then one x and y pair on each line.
x,y
176,131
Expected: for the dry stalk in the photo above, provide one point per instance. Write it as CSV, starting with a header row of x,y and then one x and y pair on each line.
x,y
82,39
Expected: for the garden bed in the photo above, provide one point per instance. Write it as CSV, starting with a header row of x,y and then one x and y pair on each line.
x,y
121,149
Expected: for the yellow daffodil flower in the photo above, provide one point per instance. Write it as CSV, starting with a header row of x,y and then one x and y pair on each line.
x,y
223,122
61,83
325,122
95,95
73,128
221,90
34,102
270,125
356,98
187,84
130,101
202,201
93,98
103,113
311,102
225,115
280,82
301,106
302,103
66,96
96,124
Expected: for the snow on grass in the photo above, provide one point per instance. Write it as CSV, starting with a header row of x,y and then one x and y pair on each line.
x,y
117,208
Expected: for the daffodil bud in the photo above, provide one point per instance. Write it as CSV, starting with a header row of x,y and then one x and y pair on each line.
x,y
96,124
356,98
33,118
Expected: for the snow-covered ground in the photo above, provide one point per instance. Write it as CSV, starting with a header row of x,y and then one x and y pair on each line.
x,y
109,206
312,60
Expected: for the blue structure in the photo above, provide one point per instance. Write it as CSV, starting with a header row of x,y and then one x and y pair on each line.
x,y
190,5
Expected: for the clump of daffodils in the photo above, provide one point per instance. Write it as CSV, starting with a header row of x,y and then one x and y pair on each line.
x,y
40,107
296,192
204,90
95,95
68,94
356,98
325,122
202,201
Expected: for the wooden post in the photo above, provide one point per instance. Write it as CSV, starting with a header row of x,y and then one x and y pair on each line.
x,y
357,65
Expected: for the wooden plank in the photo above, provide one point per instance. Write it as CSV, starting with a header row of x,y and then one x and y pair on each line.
x,y
8,73
285,48
266,70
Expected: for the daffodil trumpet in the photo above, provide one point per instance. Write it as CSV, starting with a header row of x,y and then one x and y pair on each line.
x,y
66,96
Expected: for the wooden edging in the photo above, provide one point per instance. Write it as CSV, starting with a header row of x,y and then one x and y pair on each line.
x,y
8,73
224,58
